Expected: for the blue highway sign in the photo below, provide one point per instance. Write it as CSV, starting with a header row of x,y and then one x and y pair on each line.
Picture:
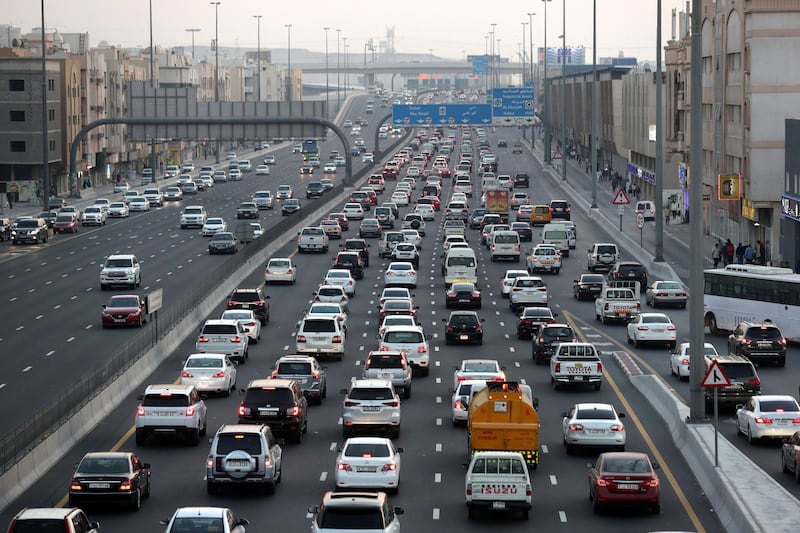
x,y
513,106
440,114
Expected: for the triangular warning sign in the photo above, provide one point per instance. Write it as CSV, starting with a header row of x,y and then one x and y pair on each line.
x,y
621,198
715,376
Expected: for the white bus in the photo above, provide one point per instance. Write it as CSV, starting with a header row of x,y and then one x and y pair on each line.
x,y
752,293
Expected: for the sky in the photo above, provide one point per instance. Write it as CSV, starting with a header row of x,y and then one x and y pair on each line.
x,y
442,28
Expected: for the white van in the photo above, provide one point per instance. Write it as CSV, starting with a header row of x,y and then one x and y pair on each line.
x,y
460,264
505,245
558,235
647,208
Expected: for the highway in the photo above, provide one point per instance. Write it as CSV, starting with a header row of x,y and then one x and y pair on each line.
x,y
432,476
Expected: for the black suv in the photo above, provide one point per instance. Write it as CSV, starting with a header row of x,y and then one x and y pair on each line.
x,y
758,342
30,229
629,271
314,190
743,377
530,318
550,335
522,180
463,326
351,261
357,245
588,286
559,209
252,299
277,402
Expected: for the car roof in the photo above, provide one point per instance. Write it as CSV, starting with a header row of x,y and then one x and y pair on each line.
x,y
370,382
203,512
594,405
270,382
168,387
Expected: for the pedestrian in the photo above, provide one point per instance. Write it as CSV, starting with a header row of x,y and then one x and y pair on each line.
x,y
749,254
673,205
10,198
716,254
729,251
762,252
637,191
666,216
740,254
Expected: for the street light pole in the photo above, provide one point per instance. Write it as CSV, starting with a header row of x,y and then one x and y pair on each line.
x,y
530,33
193,31
564,93
327,86
545,107
344,45
289,62
338,72
45,142
258,57
491,59
216,62
522,60
594,143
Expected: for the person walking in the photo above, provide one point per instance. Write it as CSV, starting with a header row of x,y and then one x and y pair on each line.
x,y
729,251
762,252
673,206
740,254
666,216
716,254
749,254
10,198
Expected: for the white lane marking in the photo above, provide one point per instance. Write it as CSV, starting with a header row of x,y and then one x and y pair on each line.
x,y
438,421
15,298
502,323
358,362
71,339
592,335
497,313
438,399
545,449
435,348
73,298
26,368
437,477
39,317
516,364
507,335
48,282
361,348
323,476
88,327
340,421
436,513
364,334
438,446
286,347
511,349
437,363
553,480
333,446
562,516
2,385
51,352
438,380
57,307
20,327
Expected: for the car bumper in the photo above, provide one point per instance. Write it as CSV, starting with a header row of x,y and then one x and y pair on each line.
x,y
605,496
331,348
499,505
130,320
377,480
773,431
656,337
273,278
207,384
464,337
606,439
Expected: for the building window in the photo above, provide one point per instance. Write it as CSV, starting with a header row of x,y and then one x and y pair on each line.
x,y
51,85
16,85
16,116
734,62
51,114
17,146
734,113
733,164
52,145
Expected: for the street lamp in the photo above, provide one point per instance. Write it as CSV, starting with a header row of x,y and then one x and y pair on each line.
x,y
530,34
344,45
193,31
216,61
258,57
338,72
545,112
593,144
289,61
522,51
564,93
327,87
491,59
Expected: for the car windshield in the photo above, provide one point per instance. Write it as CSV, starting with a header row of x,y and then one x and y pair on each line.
x,y
193,524
330,291
562,332
498,465
165,400
403,337
118,263
204,362
461,261
463,287
103,465
595,413
671,285
319,326
592,278
245,296
779,406
463,320
279,263
237,315
351,518
397,305
656,319
294,369
764,333
247,442
222,237
64,218
219,329
476,366
325,309
366,450
631,465
214,221
124,301
528,283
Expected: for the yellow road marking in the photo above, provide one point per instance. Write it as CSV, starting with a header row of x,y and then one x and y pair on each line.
x,y
631,414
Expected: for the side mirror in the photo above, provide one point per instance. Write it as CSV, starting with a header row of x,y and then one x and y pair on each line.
x,y
656,466
242,391
589,465
399,450
535,402
146,465
270,297
140,397
444,319
313,509
162,522
483,320
342,391
378,336
555,314
621,415
563,414
400,510
242,522
103,306
428,336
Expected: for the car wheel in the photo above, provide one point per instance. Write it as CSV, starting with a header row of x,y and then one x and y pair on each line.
x,y
470,513
194,437
630,341
136,500
596,508
264,320
750,438
636,343
147,490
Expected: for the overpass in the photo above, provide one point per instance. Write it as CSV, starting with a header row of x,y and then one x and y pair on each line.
x,y
415,67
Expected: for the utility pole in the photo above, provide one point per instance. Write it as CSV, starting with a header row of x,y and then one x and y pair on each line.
x,y
564,93
536,104
327,85
338,72
193,31
546,108
45,141
258,56
593,143
289,61
216,61
659,199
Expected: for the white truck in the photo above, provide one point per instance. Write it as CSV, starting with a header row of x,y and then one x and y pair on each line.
x,y
617,302
576,363
312,239
498,481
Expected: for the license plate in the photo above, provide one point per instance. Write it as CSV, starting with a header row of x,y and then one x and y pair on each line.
x,y
595,431
627,486
658,331
268,412
463,300
218,339
370,408
99,485
498,505
164,413
238,462
578,378
385,375
365,469
463,337
623,315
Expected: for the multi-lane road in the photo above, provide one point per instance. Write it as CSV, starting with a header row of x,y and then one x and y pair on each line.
x,y
433,474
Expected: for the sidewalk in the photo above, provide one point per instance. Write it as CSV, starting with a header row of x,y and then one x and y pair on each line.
x,y
676,245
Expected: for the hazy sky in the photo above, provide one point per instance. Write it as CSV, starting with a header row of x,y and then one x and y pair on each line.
x,y
447,27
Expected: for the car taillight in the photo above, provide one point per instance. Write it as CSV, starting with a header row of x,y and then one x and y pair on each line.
x,y
617,427
744,341
344,466
316,299
422,349
670,328
476,295
685,361
190,411
140,411
219,374
290,271
795,420
643,328
528,489
294,411
458,405
231,303
601,482
600,368
337,339
576,427
652,483
393,403
301,338
469,490
236,339
267,271
75,486
754,381
761,420
250,324
388,467
350,403
126,484
243,411
202,339
558,368
186,374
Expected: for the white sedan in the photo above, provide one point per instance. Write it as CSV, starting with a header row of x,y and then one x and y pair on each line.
x,y
426,211
329,168
462,395
595,425
328,310
679,361
280,270
262,170
209,372
249,321
139,203
218,519
368,462
412,236
213,226
400,198
663,293
768,417
118,209
651,328
484,369
400,273
343,278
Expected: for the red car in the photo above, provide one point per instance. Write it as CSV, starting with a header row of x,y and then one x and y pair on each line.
x,y
625,479
124,310
67,223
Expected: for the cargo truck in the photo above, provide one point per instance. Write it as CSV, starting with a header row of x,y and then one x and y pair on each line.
x,y
497,199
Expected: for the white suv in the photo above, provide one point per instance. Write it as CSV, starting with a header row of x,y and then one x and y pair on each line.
x,y
321,335
262,199
602,255
370,404
193,216
223,336
410,340
527,291
123,269
244,454
176,410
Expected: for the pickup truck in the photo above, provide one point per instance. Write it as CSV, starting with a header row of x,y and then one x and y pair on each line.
x,y
312,239
576,363
617,302
498,481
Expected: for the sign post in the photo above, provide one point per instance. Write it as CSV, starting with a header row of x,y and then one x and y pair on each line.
x,y
640,225
621,199
715,378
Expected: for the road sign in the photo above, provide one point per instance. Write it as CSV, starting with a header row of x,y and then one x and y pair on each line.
x,y
436,114
639,220
621,198
715,376
513,106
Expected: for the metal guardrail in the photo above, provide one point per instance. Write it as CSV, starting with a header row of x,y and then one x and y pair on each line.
x,y
22,439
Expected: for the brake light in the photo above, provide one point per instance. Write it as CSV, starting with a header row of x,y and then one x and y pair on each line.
x,y
337,339
388,467
189,411
294,411
576,427
744,341
643,328
219,374
344,466
685,361
754,381
760,420
617,427
601,482
393,403
126,484
316,299
528,489
670,328
652,483
600,368
350,403
605,307
250,324
558,367
186,374
75,485
301,338
243,411
638,305
236,339
202,339
231,303
476,295
795,420
140,411
290,271
422,349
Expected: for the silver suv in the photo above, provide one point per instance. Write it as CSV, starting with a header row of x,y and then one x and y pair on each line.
x,y
392,366
244,454
602,255
370,404
123,269
223,336
176,410
306,371
355,511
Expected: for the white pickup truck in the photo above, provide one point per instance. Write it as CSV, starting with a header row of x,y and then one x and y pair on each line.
x,y
576,363
312,239
498,481
617,302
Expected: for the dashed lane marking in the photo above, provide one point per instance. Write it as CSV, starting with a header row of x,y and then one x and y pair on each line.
x,y
562,516
553,480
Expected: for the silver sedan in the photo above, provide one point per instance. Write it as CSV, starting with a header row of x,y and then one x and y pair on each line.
x,y
663,293
593,425
209,372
